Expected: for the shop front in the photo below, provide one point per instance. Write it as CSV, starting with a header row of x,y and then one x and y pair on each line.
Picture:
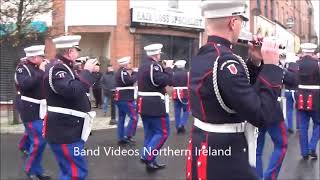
x,y
176,30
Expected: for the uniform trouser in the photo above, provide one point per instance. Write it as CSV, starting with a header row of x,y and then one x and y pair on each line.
x,y
156,132
304,117
289,108
37,146
278,135
179,108
218,156
72,164
127,107
24,143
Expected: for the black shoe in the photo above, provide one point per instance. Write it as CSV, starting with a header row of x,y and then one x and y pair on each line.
x,y
160,166
305,157
290,131
122,142
33,177
183,130
130,140
24,152
112,122
142,160
313,155
151,167
44,177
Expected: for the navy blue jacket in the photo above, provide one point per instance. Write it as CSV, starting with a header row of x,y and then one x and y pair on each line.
x,y
28,85
252,102
152,77
70,93
124,79
309,74
180,79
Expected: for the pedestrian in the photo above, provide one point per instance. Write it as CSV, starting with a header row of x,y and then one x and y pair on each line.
x,y
28,77
124,98
226,107
96,90
69,120
308,99
153,104
108,84
180,95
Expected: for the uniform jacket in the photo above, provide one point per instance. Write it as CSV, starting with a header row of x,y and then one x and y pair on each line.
x,y
28,79
152,77
309,74
253,102
70,93
124,79
180,79
291,76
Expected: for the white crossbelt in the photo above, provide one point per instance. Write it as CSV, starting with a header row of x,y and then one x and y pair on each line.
x,y
125,88
180,87
220,128
140,93
29,99
308,87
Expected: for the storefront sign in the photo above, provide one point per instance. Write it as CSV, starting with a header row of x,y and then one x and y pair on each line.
x,y
286,37
166,17
263,27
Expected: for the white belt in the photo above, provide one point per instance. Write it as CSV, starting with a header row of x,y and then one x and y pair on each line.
x,y
308,87
180,87
29,99
41,102
125,88
220,128
151,94
287,90
88,118
67,111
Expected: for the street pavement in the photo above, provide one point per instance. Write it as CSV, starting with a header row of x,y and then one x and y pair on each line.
x,y
112,167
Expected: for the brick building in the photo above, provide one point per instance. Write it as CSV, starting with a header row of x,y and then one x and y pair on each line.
x,y
113,29
283,11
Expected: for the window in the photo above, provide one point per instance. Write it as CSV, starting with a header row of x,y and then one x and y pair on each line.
x,y
173,3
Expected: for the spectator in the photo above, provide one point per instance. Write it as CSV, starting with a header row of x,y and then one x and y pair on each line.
x,y
108,85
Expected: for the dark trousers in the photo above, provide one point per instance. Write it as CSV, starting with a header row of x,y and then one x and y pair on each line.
x,y
112,106
97,96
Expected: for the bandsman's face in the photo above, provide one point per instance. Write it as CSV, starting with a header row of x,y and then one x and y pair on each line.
x,y
37,60
73,54
236,24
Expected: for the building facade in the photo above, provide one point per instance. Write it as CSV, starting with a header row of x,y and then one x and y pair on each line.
x,y
113,29
297,16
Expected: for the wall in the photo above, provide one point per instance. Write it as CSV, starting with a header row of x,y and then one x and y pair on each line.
x,y
91,12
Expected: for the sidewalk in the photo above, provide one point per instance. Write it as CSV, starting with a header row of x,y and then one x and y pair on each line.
x,y
100,122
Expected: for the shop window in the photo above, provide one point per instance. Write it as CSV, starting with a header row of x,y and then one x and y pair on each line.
x,y
174,47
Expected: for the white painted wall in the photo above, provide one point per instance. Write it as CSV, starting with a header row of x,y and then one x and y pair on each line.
x,y
91,12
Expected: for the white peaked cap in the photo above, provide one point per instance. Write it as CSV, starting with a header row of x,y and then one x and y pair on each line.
x,y
308,47
153,49
34,51
291,57
71,41
124,60
180,63
224,8
245,35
